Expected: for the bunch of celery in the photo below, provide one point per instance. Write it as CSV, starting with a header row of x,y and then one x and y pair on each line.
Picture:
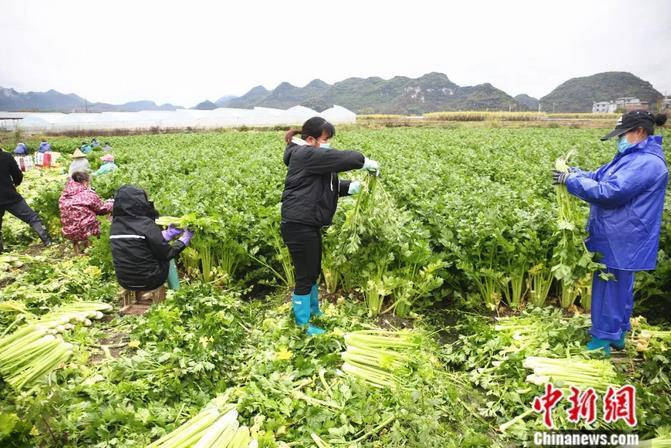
x,y
81,312
567,372
8,262
643,338
378,357
216,426
35,350
29,353
574,264
534,329
663,439
14,306
165,221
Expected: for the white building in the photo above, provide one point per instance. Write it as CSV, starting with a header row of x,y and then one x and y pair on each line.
x,y
625,103
603,107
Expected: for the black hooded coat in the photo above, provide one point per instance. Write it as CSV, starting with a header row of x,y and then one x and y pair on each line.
x,y
141,255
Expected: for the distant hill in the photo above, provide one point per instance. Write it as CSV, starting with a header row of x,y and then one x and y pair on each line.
x,y
53,101
529,101
578,94
254,96
205,105
133,106
11,100
398,95
221,102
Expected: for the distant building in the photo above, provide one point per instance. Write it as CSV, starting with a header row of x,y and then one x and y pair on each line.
x,y
666,103
603,107
628,103
626,100
625,103
636,104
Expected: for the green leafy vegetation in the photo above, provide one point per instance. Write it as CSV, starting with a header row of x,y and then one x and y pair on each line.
x,y
438,286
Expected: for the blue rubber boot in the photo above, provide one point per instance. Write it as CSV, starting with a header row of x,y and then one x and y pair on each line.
x,y
314,302
314,331
301,307
619,344
600,344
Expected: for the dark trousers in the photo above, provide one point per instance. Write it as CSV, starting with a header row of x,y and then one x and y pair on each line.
x,y
305,246
21,210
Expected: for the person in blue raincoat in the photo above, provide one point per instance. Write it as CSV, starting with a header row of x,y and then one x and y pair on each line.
x,y
108,165
44,146
626,198
85,148
21,149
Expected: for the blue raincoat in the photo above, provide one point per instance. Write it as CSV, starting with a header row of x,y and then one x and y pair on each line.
x,y
105,168
21,149
44,147
627,200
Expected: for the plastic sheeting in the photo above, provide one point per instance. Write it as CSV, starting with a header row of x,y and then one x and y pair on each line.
x,y
179,119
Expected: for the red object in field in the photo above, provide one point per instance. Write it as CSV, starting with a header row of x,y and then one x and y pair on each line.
x,y
547,402
583,405
620,404
46,162
22,165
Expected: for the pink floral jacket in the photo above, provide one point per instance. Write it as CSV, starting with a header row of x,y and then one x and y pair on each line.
x,y
79,207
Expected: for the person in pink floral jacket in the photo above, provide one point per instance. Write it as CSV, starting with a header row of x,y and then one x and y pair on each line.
x,y
79,206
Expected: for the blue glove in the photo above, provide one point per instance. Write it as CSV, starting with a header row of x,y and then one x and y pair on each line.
x,y
186,237
354,187
171,232
559,177
371,165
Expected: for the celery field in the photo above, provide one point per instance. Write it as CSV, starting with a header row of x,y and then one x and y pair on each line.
x,y
453,286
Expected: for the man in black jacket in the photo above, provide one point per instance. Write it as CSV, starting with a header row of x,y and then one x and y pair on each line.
x,y
309,201
11,201
140,250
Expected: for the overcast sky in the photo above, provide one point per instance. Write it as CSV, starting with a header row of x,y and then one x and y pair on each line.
x,y
184,52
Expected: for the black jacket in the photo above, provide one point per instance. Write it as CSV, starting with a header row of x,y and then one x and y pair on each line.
x,y
311,188
141,256
10,178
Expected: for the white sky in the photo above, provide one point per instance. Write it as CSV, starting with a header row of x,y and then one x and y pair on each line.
x,y
184,52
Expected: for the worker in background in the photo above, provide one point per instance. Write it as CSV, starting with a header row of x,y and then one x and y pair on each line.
x,y
23,160
11,201
107,166
86,148
80,206
626,198
79,163
44,146
21,149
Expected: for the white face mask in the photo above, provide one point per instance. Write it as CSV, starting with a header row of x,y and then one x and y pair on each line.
x,y
324,145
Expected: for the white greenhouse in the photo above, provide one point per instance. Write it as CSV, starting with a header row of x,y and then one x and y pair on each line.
x,y
179,119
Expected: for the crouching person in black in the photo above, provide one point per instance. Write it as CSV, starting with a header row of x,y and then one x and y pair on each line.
x,y
142,253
